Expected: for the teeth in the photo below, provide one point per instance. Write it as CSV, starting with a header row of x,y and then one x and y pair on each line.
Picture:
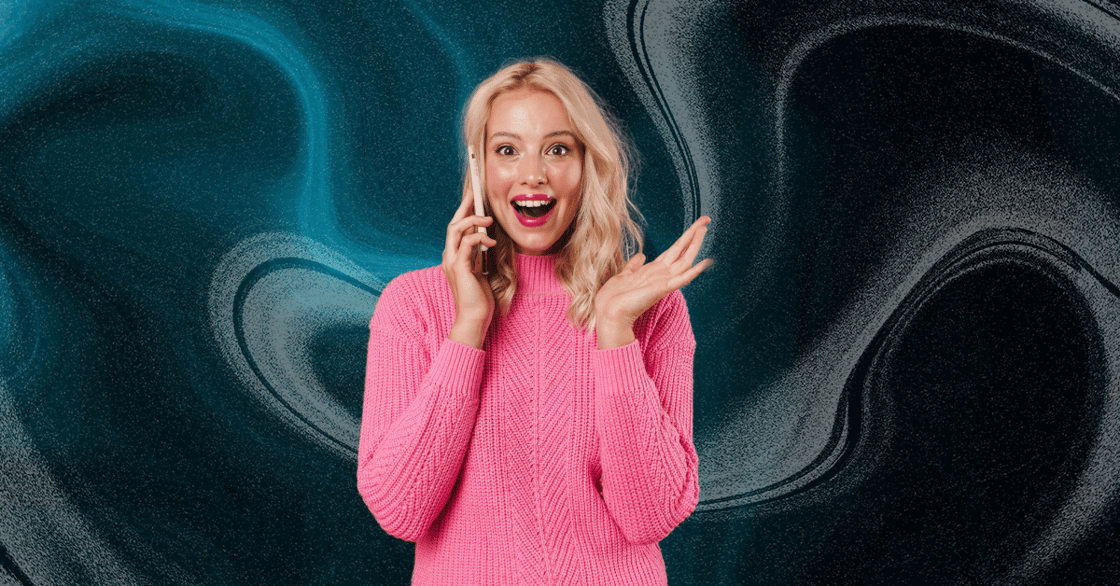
x,y
531,203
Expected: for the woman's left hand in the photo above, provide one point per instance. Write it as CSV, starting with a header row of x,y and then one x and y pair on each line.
x,y
627,295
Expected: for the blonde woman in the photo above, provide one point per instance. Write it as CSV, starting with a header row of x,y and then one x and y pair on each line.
x,y
535,426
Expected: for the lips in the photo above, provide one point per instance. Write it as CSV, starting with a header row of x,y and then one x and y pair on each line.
x,y
533,210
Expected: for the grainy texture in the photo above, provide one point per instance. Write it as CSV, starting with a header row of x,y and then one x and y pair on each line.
x,y
907,350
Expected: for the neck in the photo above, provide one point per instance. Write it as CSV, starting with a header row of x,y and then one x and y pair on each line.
x,y
537,274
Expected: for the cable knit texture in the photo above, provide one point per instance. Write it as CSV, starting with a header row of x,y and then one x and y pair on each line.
x,y
537,460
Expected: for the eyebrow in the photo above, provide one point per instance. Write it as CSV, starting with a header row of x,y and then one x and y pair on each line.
x,y
547,136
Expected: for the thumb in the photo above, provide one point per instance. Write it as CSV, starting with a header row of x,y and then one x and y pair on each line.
x,y
635,261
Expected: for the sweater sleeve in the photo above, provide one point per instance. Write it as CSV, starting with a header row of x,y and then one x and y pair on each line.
x,y
643,415
417,418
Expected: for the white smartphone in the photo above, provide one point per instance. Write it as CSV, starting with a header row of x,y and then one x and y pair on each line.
x,y
479,210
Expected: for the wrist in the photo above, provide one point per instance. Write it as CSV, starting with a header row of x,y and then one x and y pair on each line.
x,y
613,333
471,332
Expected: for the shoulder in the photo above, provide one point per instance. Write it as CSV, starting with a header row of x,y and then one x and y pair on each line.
x,y
666,323
414,302
428,283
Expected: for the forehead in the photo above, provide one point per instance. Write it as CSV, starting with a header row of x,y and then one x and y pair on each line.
x,y
527,112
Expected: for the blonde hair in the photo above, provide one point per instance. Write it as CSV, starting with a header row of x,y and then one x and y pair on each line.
x,y
604,232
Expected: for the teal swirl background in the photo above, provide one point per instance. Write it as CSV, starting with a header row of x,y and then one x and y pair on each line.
x,y
907,349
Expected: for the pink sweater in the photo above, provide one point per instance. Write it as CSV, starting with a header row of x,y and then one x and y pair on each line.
x,y
540,460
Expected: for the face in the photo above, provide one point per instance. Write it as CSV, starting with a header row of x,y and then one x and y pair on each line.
x,y
533,169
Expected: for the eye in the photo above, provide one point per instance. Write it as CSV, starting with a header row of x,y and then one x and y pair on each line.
x,y
559,150
505,150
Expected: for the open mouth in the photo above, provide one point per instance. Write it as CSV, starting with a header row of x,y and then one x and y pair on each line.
x,y
534,208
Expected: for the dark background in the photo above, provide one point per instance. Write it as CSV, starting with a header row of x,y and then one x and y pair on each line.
x,y
907,348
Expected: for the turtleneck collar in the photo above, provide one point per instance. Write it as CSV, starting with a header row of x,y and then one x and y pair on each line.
x,y
537,275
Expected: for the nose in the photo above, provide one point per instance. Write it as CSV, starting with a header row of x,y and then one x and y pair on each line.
x,y
533,171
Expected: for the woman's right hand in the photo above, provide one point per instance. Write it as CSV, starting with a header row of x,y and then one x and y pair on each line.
x,y
474,300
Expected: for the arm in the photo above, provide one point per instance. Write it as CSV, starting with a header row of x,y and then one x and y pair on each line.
x,y
417,418
419,410
643,415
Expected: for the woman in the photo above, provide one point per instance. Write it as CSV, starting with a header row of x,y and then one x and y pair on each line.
x,y
509,443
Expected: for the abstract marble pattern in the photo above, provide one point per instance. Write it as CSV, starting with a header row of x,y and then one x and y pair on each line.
x,y
908,348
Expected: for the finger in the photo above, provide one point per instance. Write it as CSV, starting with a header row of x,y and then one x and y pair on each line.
x,y
634,263
480,238
453,235
674,252
474,239
464,207
469,256
456,230
686,277
463,211
470,222
693,249
469,242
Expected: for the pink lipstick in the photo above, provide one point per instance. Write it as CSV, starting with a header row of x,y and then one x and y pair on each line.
x,y
529,219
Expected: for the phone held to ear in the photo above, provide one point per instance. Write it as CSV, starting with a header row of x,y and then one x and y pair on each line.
x,y
479,210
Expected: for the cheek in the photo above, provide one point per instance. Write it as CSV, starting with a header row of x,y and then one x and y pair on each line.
x,y
571,176
497,190
497,182
497,206
492,192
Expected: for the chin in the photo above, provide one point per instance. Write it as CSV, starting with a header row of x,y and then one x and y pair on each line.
x,y
537,248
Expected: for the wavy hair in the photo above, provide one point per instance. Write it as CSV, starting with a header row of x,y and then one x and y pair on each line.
x,y
605,231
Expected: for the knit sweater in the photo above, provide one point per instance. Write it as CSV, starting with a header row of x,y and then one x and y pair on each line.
x,y
539,459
